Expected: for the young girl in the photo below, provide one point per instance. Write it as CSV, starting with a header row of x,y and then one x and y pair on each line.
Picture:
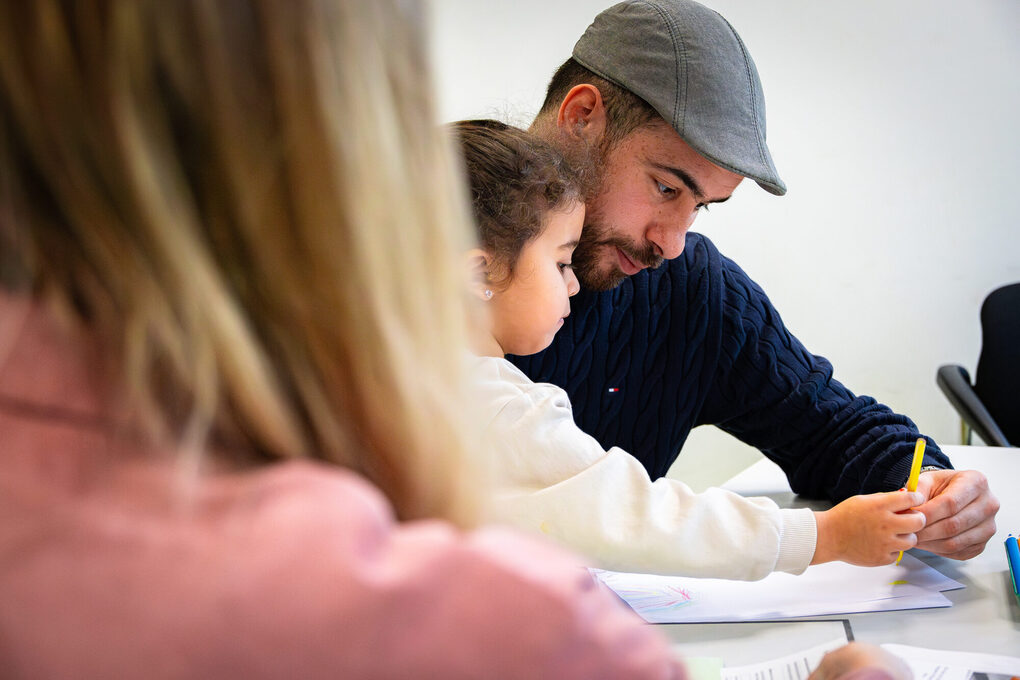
x,y
553,478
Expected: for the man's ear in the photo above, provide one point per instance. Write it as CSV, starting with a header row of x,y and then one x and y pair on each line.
x,y
582,113
479,263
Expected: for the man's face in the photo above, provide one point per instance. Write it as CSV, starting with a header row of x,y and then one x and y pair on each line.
x,y
651,187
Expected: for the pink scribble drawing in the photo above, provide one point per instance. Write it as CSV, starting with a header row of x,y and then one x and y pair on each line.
x,y
661,599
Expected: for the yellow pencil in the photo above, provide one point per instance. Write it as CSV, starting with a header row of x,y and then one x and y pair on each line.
x,y
915,472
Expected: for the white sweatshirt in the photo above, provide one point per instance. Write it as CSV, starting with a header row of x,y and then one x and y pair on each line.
x,y
552,478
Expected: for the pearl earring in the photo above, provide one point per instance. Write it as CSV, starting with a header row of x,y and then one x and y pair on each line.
x,y
488,294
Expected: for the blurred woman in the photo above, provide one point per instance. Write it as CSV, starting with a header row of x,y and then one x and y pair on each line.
x,y
222,381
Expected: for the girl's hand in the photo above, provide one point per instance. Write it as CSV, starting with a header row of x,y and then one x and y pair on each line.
x,y
869,530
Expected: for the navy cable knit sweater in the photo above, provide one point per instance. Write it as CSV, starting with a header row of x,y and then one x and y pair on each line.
x,y
696,342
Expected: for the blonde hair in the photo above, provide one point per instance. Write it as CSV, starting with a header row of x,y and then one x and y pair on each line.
x,y
250,203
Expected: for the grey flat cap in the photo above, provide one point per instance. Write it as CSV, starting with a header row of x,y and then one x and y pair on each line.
x,y
688,63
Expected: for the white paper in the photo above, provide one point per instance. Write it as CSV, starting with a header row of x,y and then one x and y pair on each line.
x,y
940,664
796,666
822,590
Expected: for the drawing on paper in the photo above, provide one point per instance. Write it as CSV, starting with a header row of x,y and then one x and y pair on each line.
x,y
662,599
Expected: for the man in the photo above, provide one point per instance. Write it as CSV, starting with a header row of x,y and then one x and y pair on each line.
x,y
663,100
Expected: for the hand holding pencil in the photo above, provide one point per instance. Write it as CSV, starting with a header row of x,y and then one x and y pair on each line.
x,y
873,529
960,511
868,530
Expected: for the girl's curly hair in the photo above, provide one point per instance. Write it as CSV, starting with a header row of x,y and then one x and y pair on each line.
x,y
515,180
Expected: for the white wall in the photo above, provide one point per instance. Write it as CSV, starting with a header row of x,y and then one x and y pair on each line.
x,y
894,125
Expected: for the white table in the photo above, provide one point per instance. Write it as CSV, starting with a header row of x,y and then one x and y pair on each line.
x,y
985,616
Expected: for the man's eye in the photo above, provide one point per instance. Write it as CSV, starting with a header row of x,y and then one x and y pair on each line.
x,y
701,207
666,190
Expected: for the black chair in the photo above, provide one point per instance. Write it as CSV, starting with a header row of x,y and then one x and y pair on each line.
x,y
991,406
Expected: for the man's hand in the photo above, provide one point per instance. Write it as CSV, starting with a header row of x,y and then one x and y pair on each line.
x,y
960,511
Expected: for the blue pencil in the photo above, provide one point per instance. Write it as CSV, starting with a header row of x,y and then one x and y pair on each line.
x,y
1013,559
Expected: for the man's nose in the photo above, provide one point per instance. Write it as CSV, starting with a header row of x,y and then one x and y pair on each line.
x,y
670,234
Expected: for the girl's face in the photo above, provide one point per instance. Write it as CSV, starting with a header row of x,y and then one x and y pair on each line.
x,y
527,314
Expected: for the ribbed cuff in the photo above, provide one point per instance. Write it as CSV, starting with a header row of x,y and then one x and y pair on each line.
x,y
798,540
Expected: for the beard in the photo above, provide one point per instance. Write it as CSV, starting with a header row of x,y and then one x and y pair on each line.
x,y
595,261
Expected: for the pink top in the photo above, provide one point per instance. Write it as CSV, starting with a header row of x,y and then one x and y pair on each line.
x,y
291,570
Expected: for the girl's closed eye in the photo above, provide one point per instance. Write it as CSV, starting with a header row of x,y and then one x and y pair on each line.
x,y
565,265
